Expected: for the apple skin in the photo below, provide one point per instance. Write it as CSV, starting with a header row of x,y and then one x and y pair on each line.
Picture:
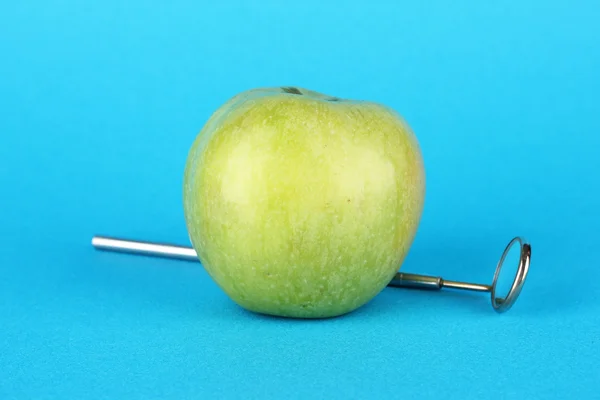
x,y
300,204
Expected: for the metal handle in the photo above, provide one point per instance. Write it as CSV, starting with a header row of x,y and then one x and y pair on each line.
x,y
401,279
136,247
414,281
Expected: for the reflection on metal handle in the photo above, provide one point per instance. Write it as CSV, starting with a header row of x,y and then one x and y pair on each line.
x,y
401,279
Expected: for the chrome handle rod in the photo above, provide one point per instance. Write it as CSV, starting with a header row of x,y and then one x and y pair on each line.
x,y
401,279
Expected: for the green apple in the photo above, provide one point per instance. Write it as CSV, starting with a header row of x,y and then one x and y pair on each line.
x,y
301,204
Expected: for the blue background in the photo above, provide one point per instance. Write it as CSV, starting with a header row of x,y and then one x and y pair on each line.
x,y
100,102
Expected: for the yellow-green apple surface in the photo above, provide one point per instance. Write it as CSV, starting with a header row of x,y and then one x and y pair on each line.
x,y
301,204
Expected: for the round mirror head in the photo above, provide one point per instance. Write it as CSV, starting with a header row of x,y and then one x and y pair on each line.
x,y
517,254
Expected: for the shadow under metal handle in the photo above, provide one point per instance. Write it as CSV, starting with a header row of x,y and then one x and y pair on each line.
x,y
401,279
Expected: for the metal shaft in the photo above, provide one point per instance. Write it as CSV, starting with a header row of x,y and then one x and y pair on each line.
x,y
144,248
401,279
426,282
